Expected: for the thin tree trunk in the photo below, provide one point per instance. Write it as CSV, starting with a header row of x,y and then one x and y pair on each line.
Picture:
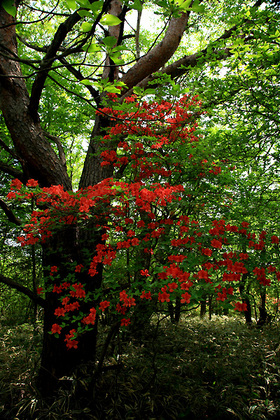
x,y
245,298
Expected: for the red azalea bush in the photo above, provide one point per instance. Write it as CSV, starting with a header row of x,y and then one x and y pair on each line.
x,y
151,246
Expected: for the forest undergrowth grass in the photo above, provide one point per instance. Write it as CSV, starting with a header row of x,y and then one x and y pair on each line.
x,y
197,369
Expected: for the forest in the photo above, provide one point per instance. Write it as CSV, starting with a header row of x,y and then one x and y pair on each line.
x,y
139,209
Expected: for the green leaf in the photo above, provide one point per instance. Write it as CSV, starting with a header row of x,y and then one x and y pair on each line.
x,y
150,91
196,7
117,59
86,82
120,48
110,41
112,89
96,6
85,13
9,7
84,3
184,4
86,27
137,5
71,4
110,20
94,47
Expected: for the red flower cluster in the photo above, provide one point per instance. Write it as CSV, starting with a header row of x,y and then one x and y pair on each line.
x,y
145,216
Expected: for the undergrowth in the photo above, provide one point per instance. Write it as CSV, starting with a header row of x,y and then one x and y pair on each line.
x,y
198,369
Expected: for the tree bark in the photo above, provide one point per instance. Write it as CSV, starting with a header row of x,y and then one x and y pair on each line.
x,y
245,298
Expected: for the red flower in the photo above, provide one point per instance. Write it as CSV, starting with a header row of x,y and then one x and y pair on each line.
x,y
32,183
103,305
57,289
125,322
216,244
90,319
59,312
240,306
145,273
172,286
121,309
11,195
16,184
53,270
146,295
164,297
79,291
39,290
207,251
203,274
71,344
56,329
185,298
78,268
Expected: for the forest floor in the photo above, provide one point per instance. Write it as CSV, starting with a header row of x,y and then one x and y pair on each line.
x,y
198,369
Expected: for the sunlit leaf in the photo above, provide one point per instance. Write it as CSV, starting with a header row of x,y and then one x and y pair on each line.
x,y
136,5
117,59
84,3
96,6
86,27
93,48
71,4
197,7
110,41
110,20
183,4
8,5
112,89
85,13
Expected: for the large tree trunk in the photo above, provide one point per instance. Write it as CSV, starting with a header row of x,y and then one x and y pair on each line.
x,y
39,161
57,361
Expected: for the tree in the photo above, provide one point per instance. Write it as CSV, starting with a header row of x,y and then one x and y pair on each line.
x,y
88,55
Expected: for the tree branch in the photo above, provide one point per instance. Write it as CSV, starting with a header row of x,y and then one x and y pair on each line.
x,y
181,66
158,56
94,93
60,35
10,151
15,173
10,215
50,56
59,147
22,289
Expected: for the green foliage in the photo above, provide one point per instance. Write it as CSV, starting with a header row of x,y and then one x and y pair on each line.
x,y
8,5
219,370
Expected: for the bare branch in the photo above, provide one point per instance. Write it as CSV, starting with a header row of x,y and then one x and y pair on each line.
x,y
59,147
5,147
50,56
15,173
137,34
8,212
158,56
80,77
22,289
